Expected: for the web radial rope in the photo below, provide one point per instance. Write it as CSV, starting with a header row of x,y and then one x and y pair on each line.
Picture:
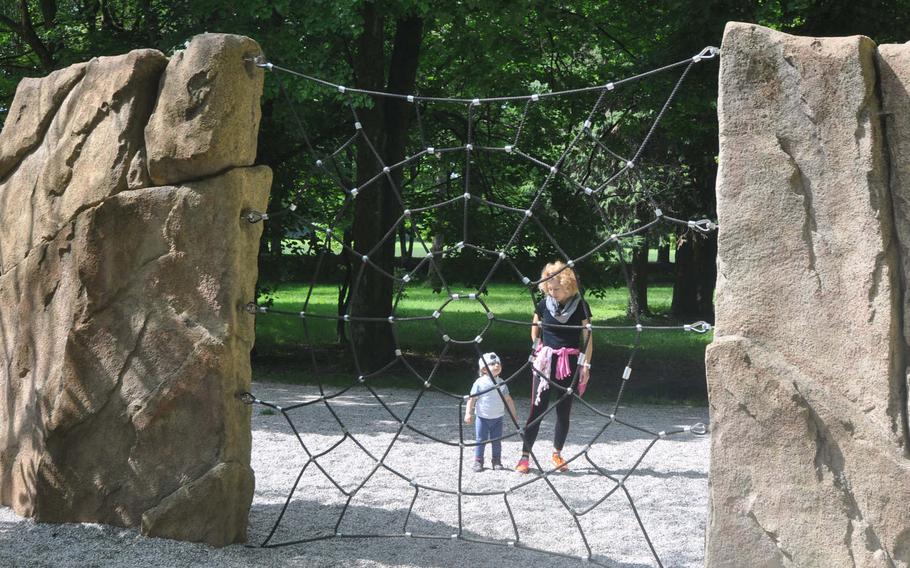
x,y
330,166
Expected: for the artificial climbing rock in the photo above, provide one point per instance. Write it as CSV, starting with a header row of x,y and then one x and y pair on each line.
x,y
123,337
807,371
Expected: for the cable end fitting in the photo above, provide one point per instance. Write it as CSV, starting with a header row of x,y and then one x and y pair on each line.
x,y
698,327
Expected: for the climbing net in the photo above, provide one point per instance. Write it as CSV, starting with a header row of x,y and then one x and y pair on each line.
x,y
624,169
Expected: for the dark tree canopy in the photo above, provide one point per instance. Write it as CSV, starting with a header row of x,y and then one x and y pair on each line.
x,y
461,49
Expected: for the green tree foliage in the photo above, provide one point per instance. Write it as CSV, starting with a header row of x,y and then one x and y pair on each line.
x,y
465,49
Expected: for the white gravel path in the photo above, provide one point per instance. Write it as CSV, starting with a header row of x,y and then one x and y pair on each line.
x,y
669,489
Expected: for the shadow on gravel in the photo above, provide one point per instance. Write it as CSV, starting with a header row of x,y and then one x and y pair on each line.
x,y
312,519
660,484
439,416
24,543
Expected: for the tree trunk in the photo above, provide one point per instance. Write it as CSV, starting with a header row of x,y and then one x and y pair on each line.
x,y
663,252
376,208
696,272
684,288
405,244
90,15
147,19
274,228
705,262
638,280
438,235
275,244
49,12
344,288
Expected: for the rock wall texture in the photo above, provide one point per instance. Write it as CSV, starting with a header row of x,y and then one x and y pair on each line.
x,y
123,340
807,374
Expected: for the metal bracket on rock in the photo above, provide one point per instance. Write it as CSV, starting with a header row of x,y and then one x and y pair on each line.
x,y
260,61
254,216
253,308
709,52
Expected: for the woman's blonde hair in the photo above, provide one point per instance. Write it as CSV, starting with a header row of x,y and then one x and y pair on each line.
x,y
566,277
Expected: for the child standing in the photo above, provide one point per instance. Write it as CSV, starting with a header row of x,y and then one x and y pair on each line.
x,y
488,402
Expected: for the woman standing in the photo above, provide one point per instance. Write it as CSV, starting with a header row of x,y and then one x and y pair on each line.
x,y
558,333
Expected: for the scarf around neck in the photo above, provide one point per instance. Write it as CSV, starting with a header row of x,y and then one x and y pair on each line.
x,y
562,314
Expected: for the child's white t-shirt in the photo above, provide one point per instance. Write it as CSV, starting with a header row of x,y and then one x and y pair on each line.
x,y
489,405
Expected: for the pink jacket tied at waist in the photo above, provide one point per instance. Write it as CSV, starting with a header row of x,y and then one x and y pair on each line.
x,y
542,366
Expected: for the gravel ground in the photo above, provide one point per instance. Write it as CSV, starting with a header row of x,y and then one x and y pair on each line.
x,y
669,489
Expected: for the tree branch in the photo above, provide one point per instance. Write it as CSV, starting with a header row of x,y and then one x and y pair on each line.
x,y
49,12
13,25
27,32
602,31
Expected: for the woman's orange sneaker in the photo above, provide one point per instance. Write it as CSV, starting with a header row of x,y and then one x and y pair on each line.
x,y
560,463
522,466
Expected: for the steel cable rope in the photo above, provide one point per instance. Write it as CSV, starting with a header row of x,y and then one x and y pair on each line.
x,y
500,257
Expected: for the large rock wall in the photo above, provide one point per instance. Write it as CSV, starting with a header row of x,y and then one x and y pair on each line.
x,y
123,341
807,372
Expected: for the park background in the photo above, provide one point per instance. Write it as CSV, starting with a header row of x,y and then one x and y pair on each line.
x,y
464,49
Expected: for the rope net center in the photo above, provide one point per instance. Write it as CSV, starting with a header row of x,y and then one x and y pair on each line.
x,y
591,169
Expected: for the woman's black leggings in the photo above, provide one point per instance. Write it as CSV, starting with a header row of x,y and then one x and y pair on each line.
x,y
563,407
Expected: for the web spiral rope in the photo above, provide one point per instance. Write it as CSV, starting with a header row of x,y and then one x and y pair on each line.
x,y
595,194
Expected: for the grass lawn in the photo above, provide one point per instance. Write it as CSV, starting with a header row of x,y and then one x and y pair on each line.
x,y
668,365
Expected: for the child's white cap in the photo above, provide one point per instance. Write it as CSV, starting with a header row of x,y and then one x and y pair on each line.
x,y
488,360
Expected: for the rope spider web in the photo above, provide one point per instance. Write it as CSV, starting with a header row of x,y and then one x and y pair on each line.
x,y
623,170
